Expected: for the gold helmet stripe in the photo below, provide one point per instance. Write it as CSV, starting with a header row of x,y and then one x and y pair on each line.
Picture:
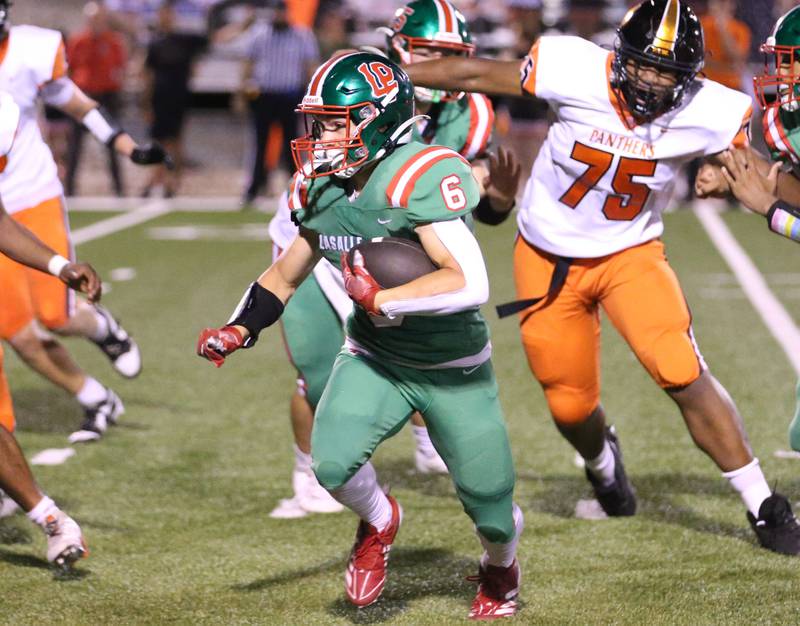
x,y
667,33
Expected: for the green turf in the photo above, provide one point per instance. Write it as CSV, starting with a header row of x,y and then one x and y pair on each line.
x,y
174,502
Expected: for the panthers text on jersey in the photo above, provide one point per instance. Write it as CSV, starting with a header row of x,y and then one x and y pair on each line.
x,y
29,58
416,184
600,182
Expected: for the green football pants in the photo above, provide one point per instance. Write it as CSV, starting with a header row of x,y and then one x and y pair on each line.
x,y
366,402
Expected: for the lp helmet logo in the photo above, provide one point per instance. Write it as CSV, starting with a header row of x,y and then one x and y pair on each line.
x,y
379,76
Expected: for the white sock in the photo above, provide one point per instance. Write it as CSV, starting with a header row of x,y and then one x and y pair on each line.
x,y
423,440
91,393
603,465
362,495
40,513
101,329
749,481
503,554
302,461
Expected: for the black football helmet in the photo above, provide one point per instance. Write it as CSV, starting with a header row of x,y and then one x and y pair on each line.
x,y
661,34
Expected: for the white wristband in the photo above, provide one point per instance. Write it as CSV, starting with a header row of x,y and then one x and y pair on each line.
x,y
98,126
56,264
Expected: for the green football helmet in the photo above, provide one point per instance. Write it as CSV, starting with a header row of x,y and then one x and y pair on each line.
x,y
781,64
372,96
434,25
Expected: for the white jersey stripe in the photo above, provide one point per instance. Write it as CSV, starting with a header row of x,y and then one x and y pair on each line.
x,y
325,69
482,128
415,167
440,10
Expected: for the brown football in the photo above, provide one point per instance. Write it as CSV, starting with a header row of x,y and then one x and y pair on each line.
x,y
393,261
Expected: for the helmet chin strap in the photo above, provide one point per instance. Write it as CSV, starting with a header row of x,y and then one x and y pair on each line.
x,y
401,135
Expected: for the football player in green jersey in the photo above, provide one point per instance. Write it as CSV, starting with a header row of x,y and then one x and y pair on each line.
x,y
432,29
312,323
770,192
421,346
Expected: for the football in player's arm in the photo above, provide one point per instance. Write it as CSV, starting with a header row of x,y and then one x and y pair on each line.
x,y
421,346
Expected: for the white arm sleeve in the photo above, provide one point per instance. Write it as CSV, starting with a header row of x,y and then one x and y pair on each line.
x,y
456,236
58,92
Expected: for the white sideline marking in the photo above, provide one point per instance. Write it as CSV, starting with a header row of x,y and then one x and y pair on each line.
x,y
121,274
52,456
149,211
777,320
213,204
244,232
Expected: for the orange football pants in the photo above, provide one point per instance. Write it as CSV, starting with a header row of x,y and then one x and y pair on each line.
x,y
28,294
641,295
6,408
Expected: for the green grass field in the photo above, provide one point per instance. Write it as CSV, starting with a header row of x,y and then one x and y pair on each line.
x,y
174,502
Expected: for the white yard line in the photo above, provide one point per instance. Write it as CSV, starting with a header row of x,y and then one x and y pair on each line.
x,y
147,212
211,204
777,320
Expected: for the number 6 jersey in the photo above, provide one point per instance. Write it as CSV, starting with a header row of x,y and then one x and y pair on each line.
x,y
600,182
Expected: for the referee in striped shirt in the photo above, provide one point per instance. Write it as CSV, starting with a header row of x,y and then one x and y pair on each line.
x,y
280,60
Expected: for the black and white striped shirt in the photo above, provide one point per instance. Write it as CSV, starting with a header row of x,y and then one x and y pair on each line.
x,y
281,57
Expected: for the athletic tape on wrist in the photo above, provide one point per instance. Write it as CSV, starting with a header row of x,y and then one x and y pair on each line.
x,y
784,220
101,125
56,264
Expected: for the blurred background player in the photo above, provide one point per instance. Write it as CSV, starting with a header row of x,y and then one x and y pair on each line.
x,y
422,346
314,318
34,65
65,543
97,60
168,67
589,240
762,188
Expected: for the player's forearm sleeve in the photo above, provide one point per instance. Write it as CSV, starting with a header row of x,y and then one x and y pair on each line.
x,y
784,219
461,243
58,92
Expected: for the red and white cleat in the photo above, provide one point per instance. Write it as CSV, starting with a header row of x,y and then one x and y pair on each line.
x,y
366,570
498,588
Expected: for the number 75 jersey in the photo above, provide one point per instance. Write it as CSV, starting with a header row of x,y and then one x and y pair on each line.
x,y
600,182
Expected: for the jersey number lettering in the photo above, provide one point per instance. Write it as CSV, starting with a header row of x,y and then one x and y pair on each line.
x,y
629,197
379,76
454,197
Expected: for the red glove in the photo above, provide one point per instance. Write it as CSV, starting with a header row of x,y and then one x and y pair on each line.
x,y
217,343
359,283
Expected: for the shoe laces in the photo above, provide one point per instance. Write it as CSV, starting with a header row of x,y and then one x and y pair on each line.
x,y
368,552
51,526
491,582
778,513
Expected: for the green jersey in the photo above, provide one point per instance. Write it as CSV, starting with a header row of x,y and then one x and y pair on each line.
x,y
782,134
417,184
464,125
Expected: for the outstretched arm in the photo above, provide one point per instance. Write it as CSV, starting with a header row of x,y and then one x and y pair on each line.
x,y
20,244
471,74
263,302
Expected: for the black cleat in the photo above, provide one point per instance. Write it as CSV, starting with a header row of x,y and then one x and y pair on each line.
x,y
619,498
777,528
120,347
98,418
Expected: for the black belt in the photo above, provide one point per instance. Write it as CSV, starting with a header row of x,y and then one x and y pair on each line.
x,y
557,281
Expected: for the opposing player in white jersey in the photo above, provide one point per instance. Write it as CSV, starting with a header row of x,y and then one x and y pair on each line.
x,y
65,543
33,66
589,225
